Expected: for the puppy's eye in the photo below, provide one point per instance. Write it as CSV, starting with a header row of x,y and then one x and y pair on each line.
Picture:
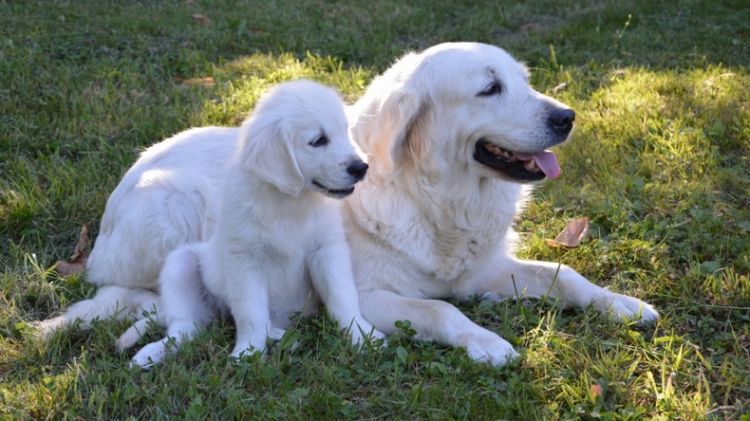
x,y
494,88
322,140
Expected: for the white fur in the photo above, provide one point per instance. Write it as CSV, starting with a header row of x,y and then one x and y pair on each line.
x,y
429,222
278,246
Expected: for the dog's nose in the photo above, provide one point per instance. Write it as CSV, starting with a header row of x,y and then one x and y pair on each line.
x,y
561,120
357,169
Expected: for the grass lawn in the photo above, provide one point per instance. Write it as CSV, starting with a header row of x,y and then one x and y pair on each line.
x,y
659,162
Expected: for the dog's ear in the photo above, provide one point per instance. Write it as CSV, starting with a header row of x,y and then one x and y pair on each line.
x,y
383,120
267,152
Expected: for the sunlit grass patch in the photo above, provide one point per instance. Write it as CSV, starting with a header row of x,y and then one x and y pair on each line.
x,y
659,129
242,81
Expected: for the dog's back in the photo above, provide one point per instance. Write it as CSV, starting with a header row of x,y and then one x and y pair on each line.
x,y
163,201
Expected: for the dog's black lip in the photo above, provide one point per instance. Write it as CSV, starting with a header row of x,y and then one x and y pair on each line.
x,y
335,192
513,170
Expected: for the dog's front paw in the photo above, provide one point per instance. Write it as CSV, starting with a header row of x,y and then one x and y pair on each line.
x,y
150,354
247,349
238,354
361,332
623,307
488,347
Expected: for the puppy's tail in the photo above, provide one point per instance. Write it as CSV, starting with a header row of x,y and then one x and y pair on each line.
x,y
109,301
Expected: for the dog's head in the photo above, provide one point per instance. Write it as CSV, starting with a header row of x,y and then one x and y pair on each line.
x,y
461,106
297,139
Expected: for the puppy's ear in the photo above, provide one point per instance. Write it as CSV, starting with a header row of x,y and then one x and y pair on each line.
x,y
383,120
267,151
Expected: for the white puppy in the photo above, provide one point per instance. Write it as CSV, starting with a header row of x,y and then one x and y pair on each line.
x,y
455,134
279,243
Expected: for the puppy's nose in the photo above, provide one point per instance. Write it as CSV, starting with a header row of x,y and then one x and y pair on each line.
x,y
357,169
561,120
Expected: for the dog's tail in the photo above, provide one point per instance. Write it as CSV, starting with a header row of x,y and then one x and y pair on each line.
x,y
109,301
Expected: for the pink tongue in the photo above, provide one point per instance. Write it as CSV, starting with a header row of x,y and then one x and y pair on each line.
x,y
546,161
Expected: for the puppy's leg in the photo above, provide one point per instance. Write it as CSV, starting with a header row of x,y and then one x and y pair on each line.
x,y
248,303
185,308
331,272
132,335
109,301
436,320
527,278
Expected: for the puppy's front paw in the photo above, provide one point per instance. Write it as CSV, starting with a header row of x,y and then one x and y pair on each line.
x,y
487,347
249,348
276,333
237,354
362,331
623,307
150,354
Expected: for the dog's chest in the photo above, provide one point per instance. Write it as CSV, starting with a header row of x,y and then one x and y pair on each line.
x,y
443,252
457,252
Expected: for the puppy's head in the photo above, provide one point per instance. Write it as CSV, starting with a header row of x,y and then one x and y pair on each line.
x,y
297,139
461,107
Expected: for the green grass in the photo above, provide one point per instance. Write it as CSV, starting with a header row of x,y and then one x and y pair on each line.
x,y
660,163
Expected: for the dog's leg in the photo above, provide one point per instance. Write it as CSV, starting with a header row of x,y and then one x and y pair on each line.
x,y
526,278
436,320
133,334
185,308
109,301
331,272
248,303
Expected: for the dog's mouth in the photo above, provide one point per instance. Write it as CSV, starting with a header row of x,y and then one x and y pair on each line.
x,y
518,166
337,193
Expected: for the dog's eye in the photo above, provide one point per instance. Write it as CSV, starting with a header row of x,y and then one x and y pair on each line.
x,y
320,141
494,88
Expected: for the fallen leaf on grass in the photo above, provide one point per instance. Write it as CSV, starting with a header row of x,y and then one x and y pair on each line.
x,y
560,87
529,26
596,391
76,263
202,19
207,81
575,231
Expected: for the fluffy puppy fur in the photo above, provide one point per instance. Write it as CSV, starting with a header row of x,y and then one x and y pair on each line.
x,y
455,137
278,246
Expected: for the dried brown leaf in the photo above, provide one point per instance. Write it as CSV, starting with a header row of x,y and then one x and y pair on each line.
x,y
560,87
529,26
76,263
202,19
575,231
207,81
596,391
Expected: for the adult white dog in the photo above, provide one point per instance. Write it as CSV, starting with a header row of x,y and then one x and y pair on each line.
x,y
454,135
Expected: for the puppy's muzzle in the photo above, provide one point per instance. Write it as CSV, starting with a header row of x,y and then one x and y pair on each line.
x,y
357,169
